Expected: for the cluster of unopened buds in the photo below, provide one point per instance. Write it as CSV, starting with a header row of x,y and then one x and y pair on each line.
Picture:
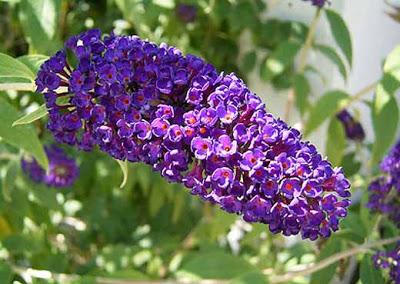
x,y
352,127
145,103
62,172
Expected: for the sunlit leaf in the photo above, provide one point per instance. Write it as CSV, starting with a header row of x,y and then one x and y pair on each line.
x,y
392,63
12,68
32,116
33,61
39,20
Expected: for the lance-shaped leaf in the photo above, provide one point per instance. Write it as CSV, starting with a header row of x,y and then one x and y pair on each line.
x,y
341,34
32,116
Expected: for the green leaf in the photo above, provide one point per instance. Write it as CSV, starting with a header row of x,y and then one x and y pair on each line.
x,y
214,265
256,277
301,89
32,116
128,274
279,60
12,68
325,275
336,142
350,164
341,34
6,273
324,108
385,116
249,61
8,180
124,169
168,4
355,227
33,62
156,200
39,20
332,55
179,204
23,136
368,272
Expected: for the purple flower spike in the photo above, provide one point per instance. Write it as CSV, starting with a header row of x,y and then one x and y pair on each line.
x,y
194,125
63,171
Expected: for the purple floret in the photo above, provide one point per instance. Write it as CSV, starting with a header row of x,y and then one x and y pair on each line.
x,y
63,171
194,126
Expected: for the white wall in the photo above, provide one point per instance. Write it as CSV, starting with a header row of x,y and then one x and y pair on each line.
x,y
374,35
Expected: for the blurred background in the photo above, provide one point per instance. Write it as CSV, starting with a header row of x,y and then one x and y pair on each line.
x,y
151,229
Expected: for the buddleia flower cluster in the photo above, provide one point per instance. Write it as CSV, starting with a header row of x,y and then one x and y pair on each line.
x,y
353,128
385,190
389,260
145,103
63,171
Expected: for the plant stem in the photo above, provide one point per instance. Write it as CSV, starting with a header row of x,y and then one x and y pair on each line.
x,y
357,96
17,87
302,61
309,41
330,260
8,156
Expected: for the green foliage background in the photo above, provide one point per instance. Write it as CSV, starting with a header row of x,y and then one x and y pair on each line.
x,y
150,229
